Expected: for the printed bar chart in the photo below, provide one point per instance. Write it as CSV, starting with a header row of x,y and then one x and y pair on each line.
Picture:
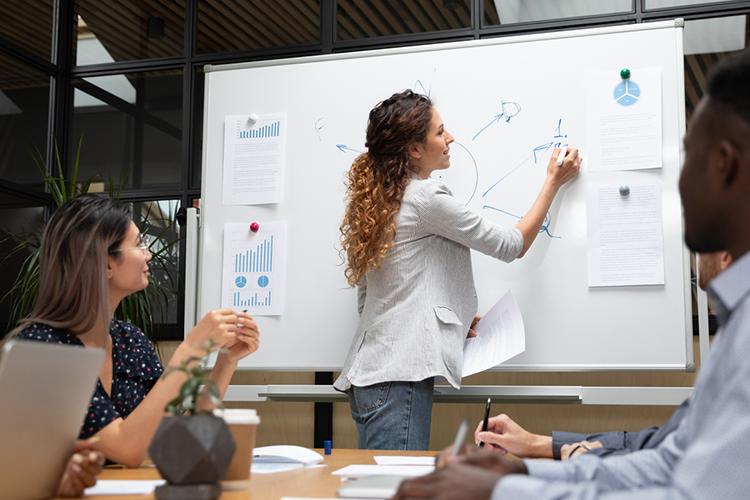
x,y
259,260
254,267
270,130
251,300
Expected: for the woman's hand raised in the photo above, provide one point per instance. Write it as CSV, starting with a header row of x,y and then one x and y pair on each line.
x,y
560,174
219,325
247,338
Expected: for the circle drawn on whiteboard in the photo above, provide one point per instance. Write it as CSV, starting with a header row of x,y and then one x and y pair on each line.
x,y
263,281
627,93
462,178
240,281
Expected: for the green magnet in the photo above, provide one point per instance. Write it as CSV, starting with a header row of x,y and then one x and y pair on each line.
x,y
625,74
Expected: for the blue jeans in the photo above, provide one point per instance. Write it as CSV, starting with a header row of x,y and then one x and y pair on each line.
x,y
393,415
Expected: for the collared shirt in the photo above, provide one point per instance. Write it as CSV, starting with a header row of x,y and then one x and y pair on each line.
x,y
706,457
621,442
135,370
416,309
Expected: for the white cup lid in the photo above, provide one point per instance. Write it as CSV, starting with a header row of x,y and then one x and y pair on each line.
x,y
238,415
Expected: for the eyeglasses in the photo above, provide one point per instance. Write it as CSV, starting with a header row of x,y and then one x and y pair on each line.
x,y
143,244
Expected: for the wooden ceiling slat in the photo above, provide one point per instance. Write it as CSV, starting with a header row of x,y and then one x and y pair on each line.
x,y
434,14
122,30
311,9
364,26
16,74
254,25
374,18
385,9
407,16
250,38
460,17
118,42
346,29
240,40
24,23
308,32
269,23
491,16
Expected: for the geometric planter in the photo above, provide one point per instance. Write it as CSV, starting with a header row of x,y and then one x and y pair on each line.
x,y
193,454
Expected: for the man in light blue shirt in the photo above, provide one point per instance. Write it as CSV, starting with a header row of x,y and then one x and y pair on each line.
x,y
708,455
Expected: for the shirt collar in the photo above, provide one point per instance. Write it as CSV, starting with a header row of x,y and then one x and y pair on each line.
x,y
729,289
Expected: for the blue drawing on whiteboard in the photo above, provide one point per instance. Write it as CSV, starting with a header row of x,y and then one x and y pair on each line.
x,y
263,281
627,93
559,134
536,153
419,83
508,113
344,148
240,281
539,150
545,224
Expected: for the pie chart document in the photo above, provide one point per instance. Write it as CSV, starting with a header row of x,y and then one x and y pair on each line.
x,y
253,275
624,120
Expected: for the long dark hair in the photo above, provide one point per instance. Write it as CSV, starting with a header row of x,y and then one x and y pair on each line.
x,y
377,179
73,284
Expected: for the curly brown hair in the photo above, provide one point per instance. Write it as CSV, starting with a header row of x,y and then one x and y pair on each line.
x,y
377,179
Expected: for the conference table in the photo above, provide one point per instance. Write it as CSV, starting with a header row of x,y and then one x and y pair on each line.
x,y
317,482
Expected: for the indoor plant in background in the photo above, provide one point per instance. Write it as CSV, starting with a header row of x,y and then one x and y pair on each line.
x,y
144,308
192,448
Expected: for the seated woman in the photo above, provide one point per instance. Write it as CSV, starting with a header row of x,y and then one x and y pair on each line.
x,y
92,256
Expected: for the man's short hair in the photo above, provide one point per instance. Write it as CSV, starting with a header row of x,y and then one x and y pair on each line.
x,y
729,82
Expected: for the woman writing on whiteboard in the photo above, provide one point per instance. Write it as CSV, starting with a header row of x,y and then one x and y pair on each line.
x,y
407,244
92,256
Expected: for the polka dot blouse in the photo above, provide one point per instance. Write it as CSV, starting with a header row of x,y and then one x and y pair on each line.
x,y
135,367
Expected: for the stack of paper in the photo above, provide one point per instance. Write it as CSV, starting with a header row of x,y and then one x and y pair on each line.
x,y
282,458
352,471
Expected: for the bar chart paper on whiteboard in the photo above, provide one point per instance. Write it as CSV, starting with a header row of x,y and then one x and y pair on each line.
x,y
500,336
253,159
253,276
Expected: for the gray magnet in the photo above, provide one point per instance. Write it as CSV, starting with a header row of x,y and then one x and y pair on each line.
x,y
624,190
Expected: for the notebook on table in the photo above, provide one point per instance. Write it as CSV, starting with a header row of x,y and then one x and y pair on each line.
x,y
45,391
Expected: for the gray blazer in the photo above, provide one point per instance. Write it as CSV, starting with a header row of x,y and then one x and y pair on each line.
x,y
416,309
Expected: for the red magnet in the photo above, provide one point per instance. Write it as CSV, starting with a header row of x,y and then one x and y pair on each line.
x,y
254,227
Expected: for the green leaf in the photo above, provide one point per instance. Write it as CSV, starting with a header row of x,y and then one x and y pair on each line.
x,y
190,388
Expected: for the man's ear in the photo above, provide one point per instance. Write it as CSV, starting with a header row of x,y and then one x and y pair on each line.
x,y
728,159
726,260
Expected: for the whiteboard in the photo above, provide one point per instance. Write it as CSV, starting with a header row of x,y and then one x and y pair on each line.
x,y
569,326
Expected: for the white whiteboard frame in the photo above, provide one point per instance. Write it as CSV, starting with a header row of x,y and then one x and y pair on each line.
x,y
689,366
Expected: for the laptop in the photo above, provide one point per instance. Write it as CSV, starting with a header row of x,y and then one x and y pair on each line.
x,y
45,391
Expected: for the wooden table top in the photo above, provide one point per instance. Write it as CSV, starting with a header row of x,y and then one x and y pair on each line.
x,y
315,482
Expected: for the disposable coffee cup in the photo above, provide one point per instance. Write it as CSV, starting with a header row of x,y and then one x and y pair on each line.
x,y
243,425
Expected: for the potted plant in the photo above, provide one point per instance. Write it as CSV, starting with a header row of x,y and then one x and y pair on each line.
x,y
192,448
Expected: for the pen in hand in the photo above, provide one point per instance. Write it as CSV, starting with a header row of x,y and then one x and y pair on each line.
x,y
486,418
460,437
561,156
